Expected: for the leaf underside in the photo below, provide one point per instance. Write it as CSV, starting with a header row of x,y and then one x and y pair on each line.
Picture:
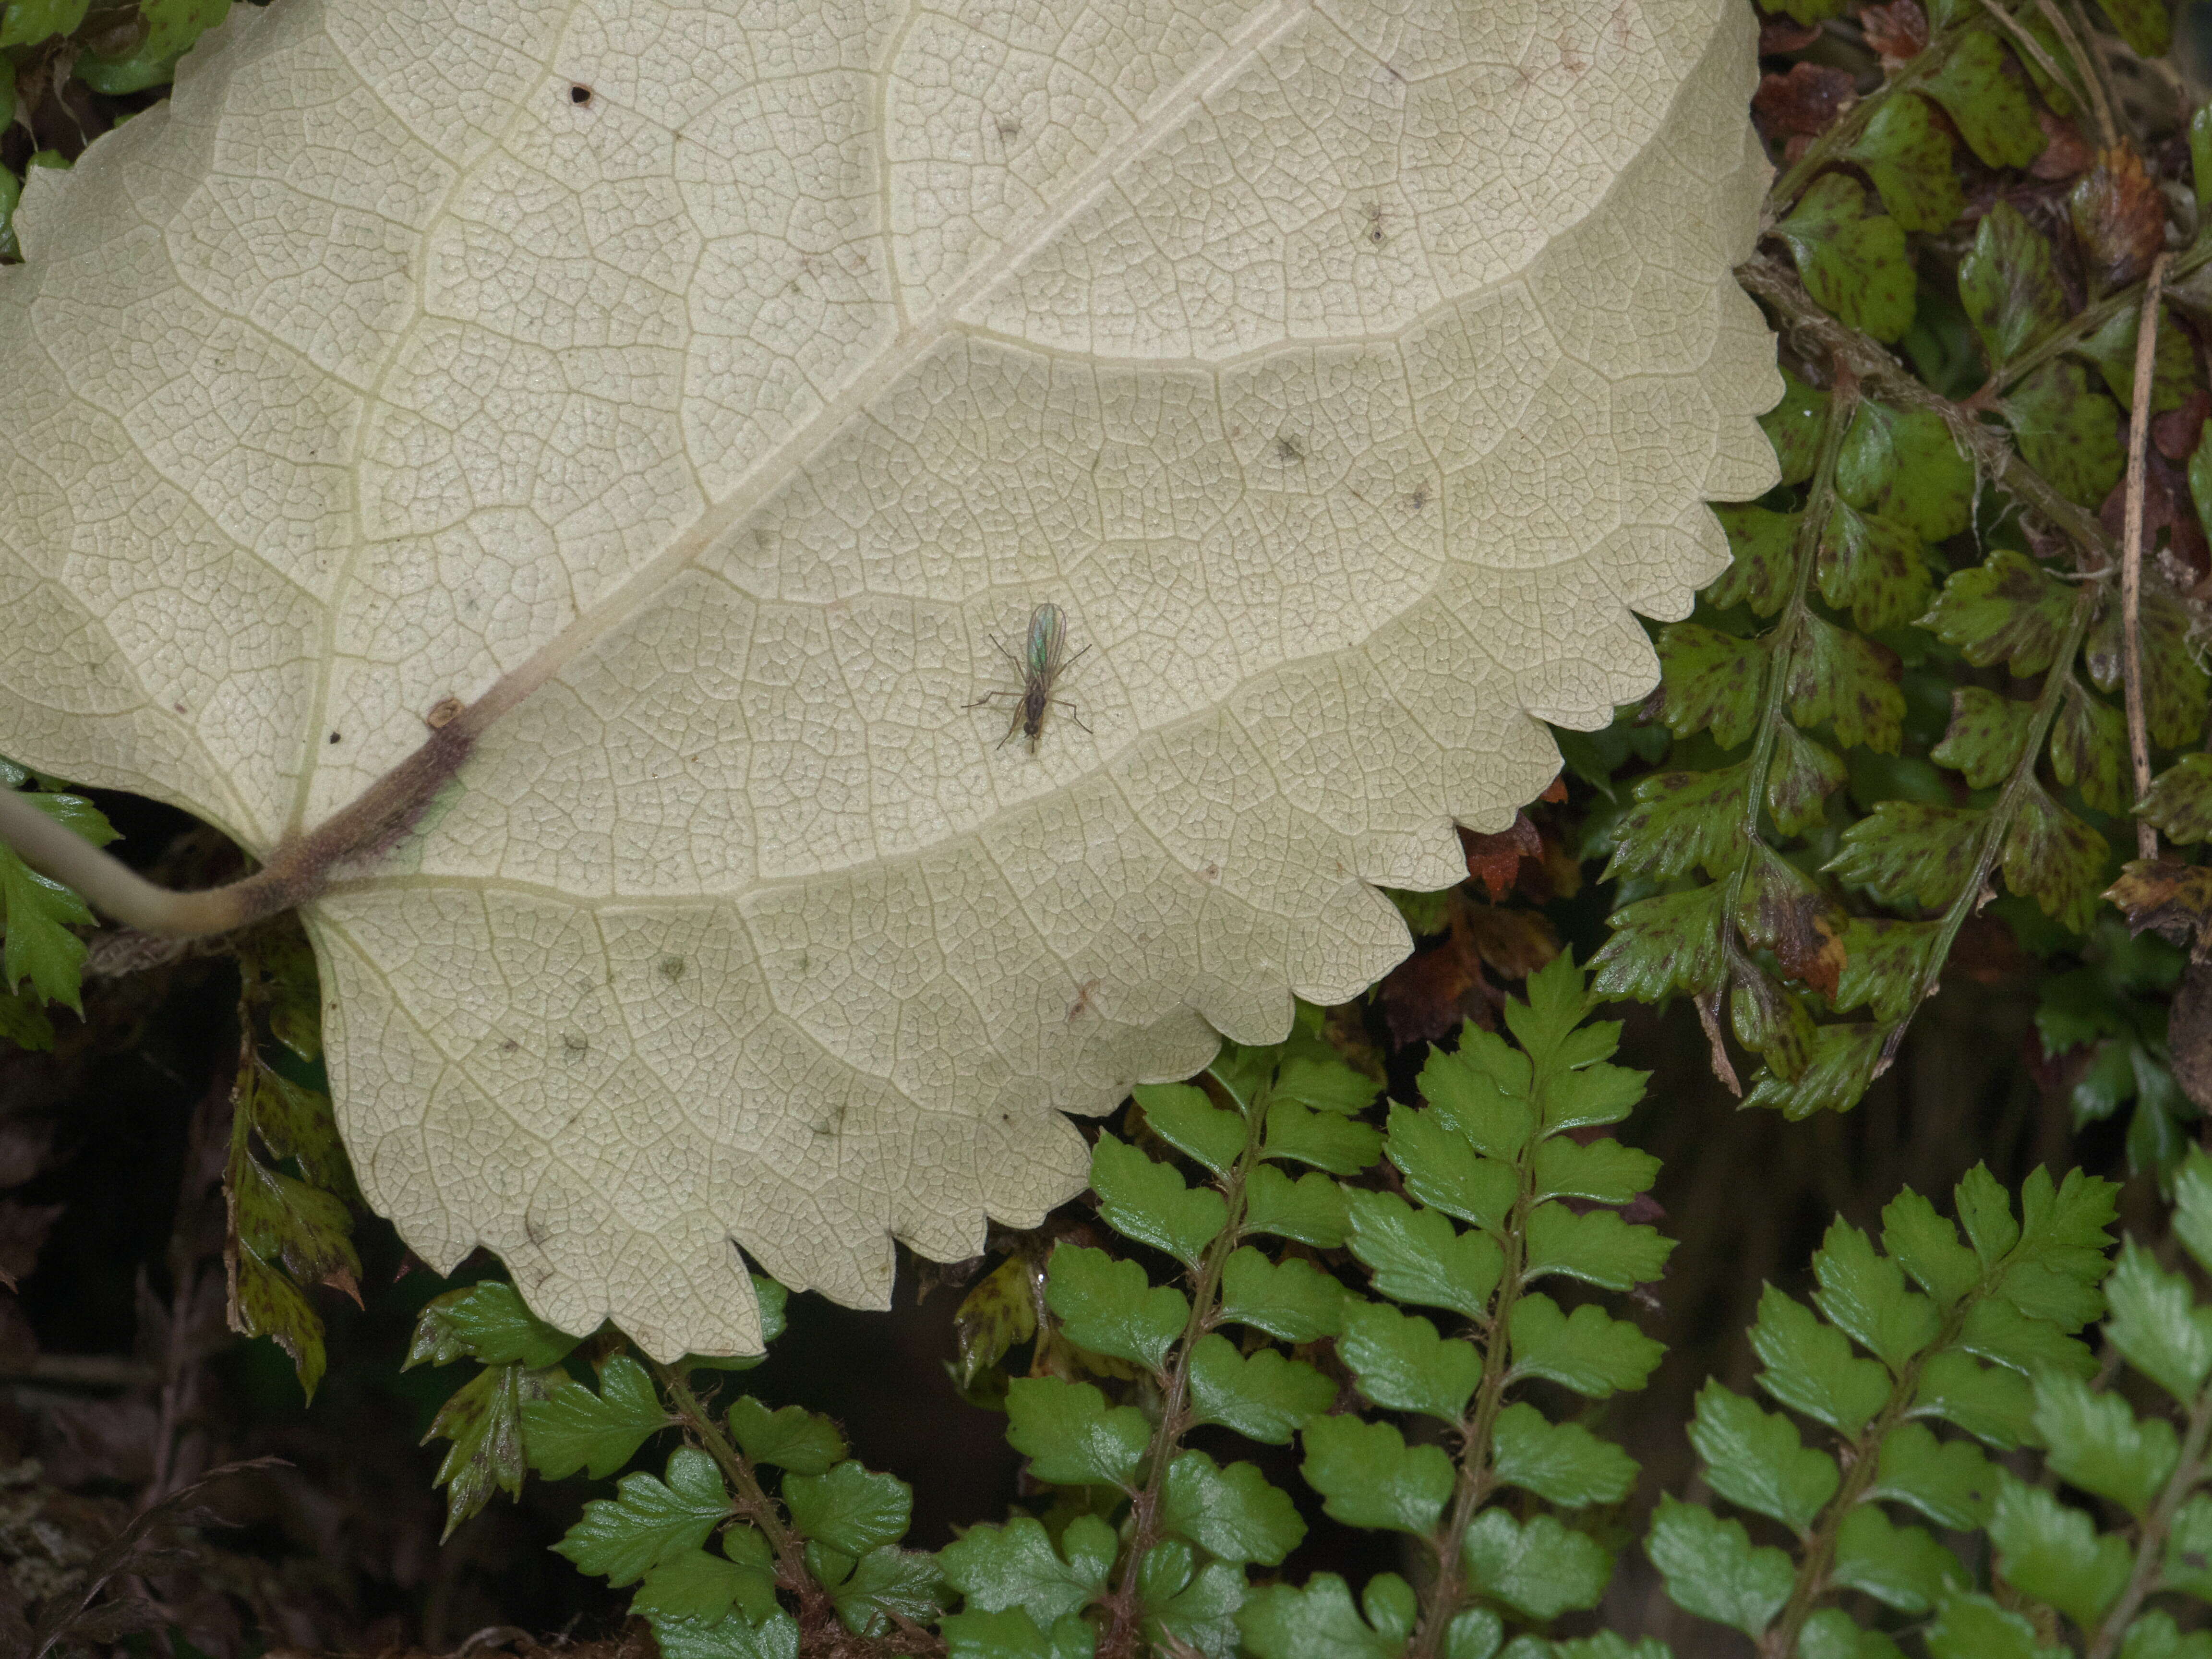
x,y
1343,393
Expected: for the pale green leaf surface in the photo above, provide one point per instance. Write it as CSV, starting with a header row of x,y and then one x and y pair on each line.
x,y
705,486
1712,1569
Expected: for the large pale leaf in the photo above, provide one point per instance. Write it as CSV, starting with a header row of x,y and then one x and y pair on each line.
x,y
692,393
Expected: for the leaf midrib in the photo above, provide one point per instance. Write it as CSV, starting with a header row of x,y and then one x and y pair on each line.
x,y
789,458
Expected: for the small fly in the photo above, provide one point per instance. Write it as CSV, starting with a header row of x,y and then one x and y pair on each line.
x,y
1043,658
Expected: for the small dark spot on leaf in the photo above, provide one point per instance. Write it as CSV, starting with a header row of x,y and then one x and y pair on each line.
x,y
1289,450
509,1046
178,706
334,738
575,1043
671,968
1420,498
580,94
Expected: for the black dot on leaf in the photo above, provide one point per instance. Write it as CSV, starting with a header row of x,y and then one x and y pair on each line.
x,y
580,94
334,736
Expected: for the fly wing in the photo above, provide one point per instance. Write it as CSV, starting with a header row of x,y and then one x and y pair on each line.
x,y
1047,641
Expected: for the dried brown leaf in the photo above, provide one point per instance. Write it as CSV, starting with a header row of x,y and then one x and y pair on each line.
x,y
2189,1034
1898,31
2066,153
1495,860
1431,991
2166,897
2119,217
1708,1016
1779,36
2175,434
1803,102
1515,943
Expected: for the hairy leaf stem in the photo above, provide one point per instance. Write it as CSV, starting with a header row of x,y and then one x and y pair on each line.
x,y
749,1496
1124,1604
2102,103
300,868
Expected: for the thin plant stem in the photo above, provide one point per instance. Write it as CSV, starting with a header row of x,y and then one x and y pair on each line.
x,y
2099,106
1804,552
1999,818
2081,38
752,1501
2157,1525
1862,1467
2091,318
1885,378
1837,141
817,1612
1445,1598
2132,550
2028,46
1147,1516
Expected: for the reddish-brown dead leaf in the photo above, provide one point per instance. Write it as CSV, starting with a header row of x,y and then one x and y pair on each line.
x,y
1897,31
1557,875
2167,897
1803,102
2186,560
1708,1016
1495,860
2066,153
2189,1034
2119,217
2175,433
1514,943
1802,925
1809,947
1986,952
1780,36
1432,991
2166,501
1556,790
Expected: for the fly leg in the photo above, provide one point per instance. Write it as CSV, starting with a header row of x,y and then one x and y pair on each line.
x,y
1012,725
